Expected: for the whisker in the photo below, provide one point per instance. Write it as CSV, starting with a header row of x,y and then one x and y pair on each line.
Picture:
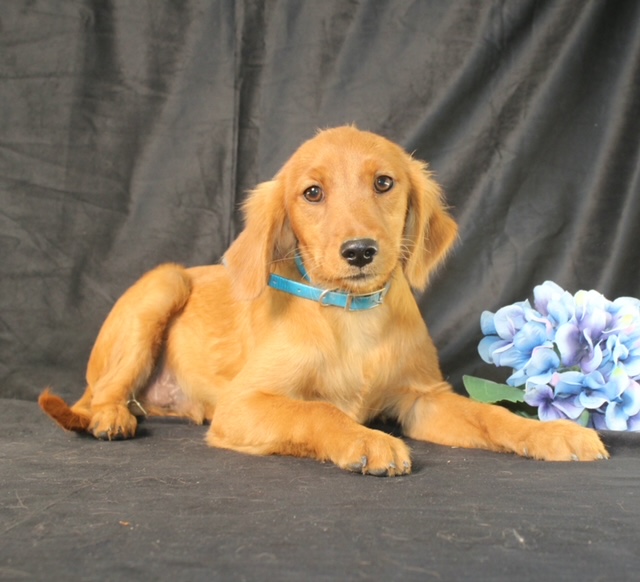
x,y
312,269
287,257
411,246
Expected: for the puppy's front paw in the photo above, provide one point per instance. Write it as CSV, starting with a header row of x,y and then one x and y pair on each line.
x,y
375,453
562,440
113,423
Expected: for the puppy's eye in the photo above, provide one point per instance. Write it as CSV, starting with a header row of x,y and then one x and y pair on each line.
x,y
383,184
313,194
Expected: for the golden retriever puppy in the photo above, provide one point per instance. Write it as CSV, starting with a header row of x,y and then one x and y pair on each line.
x,y
309,329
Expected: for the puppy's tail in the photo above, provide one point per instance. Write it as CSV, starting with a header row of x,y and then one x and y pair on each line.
x,y
62,413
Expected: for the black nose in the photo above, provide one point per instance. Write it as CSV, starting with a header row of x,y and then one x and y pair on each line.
x,y
359,252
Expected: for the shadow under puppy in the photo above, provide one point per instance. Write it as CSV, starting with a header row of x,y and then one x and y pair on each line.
x,y
309,329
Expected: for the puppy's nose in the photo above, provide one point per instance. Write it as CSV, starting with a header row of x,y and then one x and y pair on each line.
x,y
359,252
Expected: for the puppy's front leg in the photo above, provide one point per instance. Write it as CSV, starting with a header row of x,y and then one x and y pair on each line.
x,y
443,417
265,424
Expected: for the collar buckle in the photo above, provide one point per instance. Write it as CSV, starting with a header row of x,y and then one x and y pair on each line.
x,y
322,297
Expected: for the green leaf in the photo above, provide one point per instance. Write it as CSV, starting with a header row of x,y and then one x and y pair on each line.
x,y
491,392
584,418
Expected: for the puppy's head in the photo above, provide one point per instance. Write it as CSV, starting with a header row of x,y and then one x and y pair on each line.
x,y
355,205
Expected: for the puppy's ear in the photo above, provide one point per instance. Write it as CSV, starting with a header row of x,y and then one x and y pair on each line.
x,y
429,231
266,237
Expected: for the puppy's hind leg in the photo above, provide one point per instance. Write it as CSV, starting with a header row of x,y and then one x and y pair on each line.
x,y
128,345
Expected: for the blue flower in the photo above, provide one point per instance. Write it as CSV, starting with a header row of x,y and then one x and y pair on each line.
x,y
540,368
552,406
633,423
512,334
570,383
571,354
621,352
598,390
554,303
578,339
625,315
623,408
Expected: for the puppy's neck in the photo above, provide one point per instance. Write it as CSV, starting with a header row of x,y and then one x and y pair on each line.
x,y
305,289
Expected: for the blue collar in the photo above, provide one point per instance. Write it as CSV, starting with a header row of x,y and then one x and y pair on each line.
x,y
326,297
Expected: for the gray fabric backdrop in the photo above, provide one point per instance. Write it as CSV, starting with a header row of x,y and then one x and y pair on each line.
x,y
130,131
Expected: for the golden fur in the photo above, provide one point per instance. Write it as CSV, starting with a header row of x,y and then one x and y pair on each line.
x,y
278,374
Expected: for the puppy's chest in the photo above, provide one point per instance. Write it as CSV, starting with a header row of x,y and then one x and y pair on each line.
x,y
359,364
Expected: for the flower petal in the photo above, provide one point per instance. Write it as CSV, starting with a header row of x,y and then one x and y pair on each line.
x,y
615,417
508,320
632,366
487,325
530,336
598,420
510,358
567,339
538,394
562,310
618,382
593,399
633,423
569,383
488,345
547,413
592,359
591,312
543,359
518,378
544,294
617,349
542,377
570,407
625,312
631,399
595,380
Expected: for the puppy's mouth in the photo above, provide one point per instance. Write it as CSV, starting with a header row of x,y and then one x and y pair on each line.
x,y
349,279
362,282
356,283
359,277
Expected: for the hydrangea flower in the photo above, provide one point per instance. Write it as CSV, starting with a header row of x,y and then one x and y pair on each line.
x,y
552,406
575,356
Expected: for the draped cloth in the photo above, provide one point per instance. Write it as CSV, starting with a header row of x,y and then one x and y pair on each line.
x,y
130,132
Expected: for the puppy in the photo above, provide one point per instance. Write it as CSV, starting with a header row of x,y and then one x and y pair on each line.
x,y
309,329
